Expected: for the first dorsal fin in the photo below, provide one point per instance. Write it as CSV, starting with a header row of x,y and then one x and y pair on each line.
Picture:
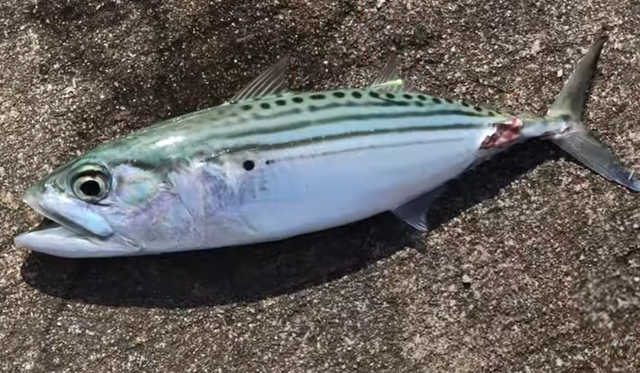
x,y
271,81
388,78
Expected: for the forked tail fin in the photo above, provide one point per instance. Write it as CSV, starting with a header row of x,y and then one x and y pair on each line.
x,y
578,140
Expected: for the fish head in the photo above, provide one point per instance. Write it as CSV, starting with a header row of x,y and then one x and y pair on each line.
x,y
104,209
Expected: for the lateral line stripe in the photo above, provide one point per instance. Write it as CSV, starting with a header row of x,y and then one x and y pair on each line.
x,y
341,136
379,146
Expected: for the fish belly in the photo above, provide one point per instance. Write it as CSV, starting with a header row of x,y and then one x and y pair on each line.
x,y
324,185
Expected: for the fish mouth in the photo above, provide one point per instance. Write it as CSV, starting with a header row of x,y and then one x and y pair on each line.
x,y
54,220
75,218
76,233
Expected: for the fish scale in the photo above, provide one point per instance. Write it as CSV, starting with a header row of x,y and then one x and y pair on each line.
x,y
269,164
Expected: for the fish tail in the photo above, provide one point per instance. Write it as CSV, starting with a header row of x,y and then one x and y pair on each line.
x,y
577,140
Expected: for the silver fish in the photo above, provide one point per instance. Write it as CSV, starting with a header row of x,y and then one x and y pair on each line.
x,y
271,164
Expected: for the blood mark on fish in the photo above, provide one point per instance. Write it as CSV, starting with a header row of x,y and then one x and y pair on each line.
x,y
505,133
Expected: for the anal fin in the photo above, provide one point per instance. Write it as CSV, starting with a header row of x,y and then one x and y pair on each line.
x,y
415,211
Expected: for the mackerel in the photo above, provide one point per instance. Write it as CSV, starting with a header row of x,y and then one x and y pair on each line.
x,y
270,164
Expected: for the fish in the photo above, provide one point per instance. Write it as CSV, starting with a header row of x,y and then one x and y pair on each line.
x,y
270,164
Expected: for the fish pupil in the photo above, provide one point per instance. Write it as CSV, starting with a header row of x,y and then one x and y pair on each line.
x,y
91,188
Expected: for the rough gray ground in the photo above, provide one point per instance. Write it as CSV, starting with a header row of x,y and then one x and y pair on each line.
x,y
534,262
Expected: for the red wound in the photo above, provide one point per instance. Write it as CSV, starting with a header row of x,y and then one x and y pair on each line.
x,y
504,134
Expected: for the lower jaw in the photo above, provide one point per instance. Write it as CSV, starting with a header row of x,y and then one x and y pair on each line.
x,y
53,239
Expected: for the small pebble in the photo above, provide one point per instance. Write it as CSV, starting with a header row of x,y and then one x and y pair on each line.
x,y
466,279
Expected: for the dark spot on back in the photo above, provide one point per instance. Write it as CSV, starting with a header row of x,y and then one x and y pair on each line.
x,y
248,165
245,107
317,97
356,94
281,102
374,94
477,108
297,100
390,96
407,96
338,94
265,105
449,100
465,104
422,97
436,100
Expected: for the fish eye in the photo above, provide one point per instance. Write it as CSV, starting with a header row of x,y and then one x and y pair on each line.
x,y
91,185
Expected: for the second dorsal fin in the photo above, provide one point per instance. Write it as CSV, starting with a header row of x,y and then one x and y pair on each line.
x,y
388,78
272,80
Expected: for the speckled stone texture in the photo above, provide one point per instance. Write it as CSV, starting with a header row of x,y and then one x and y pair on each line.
x,y
533,264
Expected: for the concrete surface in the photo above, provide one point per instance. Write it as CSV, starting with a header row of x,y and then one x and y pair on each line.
x,y
534,262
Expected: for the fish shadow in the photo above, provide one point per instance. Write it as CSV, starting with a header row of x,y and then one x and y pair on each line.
x,y
256,272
